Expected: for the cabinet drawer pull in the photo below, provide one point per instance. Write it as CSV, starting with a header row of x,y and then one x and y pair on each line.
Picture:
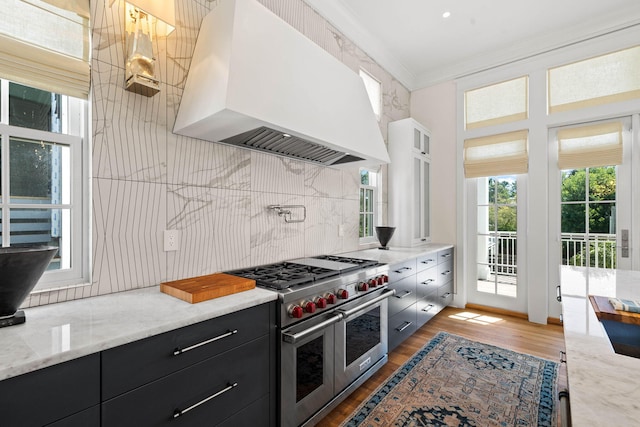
x,y
406,294
427,261
426,282
179,412
179,350
405,326
400,270
563,357
427,308
444,273
446,255
446,295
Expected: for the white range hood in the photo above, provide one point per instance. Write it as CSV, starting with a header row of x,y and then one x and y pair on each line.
x,y
256,82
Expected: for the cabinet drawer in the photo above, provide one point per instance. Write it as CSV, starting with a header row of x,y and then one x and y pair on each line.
x,y
254,415
445,272
398,271
445,294
427,307
206,387
87,418
401,326
445,255
427,261
138,363
51,394
405,295
427,281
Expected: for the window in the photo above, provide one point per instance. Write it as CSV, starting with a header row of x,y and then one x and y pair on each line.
x,y
41,177
505,153
596,81
52,55
368,189
374,90
498,103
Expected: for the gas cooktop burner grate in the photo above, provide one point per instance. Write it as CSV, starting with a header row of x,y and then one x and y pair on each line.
x,y
359,262
284,275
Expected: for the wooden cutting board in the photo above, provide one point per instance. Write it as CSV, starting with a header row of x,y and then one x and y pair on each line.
x,y
203,288
605,311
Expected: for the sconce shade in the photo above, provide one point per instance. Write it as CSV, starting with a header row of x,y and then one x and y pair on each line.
x,y
163,10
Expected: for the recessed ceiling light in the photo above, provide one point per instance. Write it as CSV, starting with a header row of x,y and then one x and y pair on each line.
x,y
446,14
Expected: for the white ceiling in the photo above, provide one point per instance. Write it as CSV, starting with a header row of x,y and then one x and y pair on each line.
x,y
412,40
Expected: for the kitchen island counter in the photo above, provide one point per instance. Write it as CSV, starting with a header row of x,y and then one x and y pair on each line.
x,y
602,384
60,332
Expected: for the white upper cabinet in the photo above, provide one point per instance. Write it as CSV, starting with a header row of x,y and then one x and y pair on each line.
x,y
409,182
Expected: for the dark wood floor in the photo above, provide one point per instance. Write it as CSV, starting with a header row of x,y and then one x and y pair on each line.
x,y
497,329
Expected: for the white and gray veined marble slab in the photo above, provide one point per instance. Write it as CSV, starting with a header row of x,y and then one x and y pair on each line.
x,y
603,386
56,333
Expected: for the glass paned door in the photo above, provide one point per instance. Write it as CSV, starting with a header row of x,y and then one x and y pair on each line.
x,y
497,220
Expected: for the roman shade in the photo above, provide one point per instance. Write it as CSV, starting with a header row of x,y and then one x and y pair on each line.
x,y
601,80
45,44
498,103
590,146
496,155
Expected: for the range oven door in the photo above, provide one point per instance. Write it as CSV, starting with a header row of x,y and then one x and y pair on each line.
x,y
361,337
307,368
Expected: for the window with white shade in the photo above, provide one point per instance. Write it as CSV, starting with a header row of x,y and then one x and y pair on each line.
x,y
591,145
374,90
498,103
596,81
493,155
52,55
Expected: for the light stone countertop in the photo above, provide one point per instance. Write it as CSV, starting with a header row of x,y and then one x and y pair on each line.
x,y
60,332
64,331
395,255
603,386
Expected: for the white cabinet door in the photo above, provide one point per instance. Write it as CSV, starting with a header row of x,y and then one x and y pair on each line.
x,y
409,182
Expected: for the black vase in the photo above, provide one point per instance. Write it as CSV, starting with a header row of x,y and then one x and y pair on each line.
x,y
384,235
20,270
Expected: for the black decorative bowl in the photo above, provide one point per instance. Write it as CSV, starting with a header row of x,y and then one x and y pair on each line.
x,y
20,270
384,235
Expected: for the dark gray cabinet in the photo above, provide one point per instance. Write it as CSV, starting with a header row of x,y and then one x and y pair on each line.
x,y
57,395
204,374
424,286
220,372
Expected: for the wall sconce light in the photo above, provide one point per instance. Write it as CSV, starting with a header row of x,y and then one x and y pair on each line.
x,y
144,20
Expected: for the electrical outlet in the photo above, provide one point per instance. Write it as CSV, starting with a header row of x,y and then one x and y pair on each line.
x,y
171,240
341,230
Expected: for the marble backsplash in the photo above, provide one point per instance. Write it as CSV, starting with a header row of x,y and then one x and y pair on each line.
x,y
145,179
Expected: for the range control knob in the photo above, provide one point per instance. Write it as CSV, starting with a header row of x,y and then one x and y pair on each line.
x,y
373,283
385,278
380,280
295,311
321,302
363,287
309,306
343,294
331,298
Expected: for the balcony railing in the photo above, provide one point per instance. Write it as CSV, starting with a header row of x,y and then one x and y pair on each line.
x,y
578,249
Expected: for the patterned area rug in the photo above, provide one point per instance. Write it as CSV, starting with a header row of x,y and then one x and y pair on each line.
x,y
453,381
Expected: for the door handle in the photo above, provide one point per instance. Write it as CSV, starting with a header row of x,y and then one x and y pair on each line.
x,y
293,338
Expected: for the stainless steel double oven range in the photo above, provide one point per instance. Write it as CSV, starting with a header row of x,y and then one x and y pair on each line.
x,y
332,325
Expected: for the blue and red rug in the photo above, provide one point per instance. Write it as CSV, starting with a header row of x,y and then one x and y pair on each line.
x,y
453,381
